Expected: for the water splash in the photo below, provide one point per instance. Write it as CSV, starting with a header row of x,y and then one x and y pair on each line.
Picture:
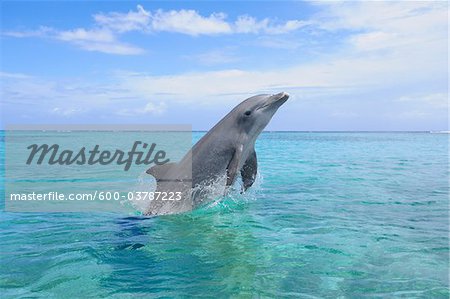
x,y
233,195
210,195
145,183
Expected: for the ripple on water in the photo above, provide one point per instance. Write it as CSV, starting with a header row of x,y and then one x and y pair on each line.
x,y
332,215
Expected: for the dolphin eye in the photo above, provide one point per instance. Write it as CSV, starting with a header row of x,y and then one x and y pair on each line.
x,y
248,112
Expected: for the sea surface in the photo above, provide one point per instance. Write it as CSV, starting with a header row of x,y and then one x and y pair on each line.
x,y
332,215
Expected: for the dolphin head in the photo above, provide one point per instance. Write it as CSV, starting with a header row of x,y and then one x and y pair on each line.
x,y
255,113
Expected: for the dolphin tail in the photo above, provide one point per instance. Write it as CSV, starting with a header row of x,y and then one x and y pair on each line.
x,y
173,188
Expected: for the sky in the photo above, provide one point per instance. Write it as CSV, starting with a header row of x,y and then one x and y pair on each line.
x,y
348,66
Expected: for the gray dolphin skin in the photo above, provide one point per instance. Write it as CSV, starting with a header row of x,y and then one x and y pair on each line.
x,y
226,151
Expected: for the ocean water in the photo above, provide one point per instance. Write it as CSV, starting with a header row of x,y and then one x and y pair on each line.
x,y
334,215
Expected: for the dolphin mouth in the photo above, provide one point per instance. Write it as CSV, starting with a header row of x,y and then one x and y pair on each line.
x,y
282,96
276,100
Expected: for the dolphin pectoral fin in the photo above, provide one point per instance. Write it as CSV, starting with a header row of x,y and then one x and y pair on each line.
x,y
232,168
159,171
249,170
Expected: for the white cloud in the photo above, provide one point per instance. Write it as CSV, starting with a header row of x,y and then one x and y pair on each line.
x,y
192,23
189,22
124,22
150,108
380,14
100,40
289,26
335,74
83,35
43,31
373,40
155,108
386,25
389,26
380,25
112,48
399,49
103,37
248,24
234,84
402,45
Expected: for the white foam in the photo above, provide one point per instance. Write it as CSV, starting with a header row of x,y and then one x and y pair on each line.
x,y
213,193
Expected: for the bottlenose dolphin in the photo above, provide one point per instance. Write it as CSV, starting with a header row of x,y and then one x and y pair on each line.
x,y
225,151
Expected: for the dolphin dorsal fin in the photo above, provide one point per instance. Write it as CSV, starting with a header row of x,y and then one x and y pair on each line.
x,y
160,171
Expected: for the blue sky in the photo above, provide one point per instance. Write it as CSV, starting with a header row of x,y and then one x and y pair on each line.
x,y
347,65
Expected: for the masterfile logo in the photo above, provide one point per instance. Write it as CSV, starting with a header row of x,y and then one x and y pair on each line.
x,y
53,155
56,168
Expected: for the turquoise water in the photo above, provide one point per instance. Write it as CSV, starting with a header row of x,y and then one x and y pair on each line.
x,y
333,215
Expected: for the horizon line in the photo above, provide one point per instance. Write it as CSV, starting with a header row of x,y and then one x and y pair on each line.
x,y
323,131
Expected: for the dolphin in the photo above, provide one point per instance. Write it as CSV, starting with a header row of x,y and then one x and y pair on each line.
x,y
225,151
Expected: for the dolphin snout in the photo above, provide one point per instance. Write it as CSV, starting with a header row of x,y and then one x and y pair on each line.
x,y
279,98
281,95
275,100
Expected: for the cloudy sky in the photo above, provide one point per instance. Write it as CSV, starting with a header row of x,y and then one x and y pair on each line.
x,y
347,65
